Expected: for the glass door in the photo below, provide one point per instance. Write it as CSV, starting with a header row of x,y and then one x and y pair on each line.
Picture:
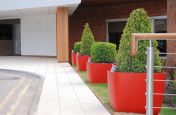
x,y
17,39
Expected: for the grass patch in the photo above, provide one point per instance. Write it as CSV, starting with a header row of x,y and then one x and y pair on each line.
x,y
167,112
101,92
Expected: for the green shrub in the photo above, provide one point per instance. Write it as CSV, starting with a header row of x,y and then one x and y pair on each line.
x,y
102,52
138,22
87,40
77,46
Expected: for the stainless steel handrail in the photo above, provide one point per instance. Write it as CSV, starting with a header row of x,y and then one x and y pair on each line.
x,y
150,63
164,108
164,94
165,67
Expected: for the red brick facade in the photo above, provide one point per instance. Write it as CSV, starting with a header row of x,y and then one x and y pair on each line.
x,y
171,27
96,16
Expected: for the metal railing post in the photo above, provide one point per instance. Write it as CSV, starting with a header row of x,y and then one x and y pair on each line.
x,y
135,37
150,71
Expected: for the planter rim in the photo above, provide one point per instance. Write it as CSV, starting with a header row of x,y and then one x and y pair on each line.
x,y
137,72
73,51
81,55
114,64
100,63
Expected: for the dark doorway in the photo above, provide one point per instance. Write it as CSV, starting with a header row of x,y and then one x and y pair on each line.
x,y
9,35
115,31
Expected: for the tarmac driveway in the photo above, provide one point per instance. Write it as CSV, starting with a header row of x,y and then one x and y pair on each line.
x,y
19,92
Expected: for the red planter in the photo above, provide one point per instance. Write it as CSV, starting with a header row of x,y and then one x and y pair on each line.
x,y
74,58
97,72
127,91
81,62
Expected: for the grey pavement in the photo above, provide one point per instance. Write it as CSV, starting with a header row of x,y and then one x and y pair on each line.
x,y
63,92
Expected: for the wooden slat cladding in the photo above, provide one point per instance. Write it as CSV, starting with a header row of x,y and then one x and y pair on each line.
x,y
62,34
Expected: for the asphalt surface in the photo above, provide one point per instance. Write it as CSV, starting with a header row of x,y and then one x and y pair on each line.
x,y
19,93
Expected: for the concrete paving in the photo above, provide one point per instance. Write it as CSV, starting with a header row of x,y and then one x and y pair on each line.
x,y
63,93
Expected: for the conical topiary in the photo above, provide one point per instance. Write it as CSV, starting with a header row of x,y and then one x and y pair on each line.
x,y
138,22
87,40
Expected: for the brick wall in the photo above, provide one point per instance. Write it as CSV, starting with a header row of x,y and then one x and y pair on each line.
x,y
96,16
171,28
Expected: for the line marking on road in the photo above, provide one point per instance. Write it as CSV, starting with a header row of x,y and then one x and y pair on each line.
x,y
10,94
18,100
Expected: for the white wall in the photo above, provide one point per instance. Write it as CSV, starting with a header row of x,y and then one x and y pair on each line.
x,y
38,35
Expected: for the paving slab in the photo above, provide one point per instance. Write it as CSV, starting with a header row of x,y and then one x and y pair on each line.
x,y
63,92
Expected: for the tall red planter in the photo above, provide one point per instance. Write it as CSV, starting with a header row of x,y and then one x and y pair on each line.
x,y
97,72
81,62
74,58
127,91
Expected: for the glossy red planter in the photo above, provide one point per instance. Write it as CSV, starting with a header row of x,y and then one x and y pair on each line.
x,y
81,62
97,72
127,91
74,58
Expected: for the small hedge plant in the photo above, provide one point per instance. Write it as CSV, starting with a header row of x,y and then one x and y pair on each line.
x,y
138,22
87,40
102,52
77,47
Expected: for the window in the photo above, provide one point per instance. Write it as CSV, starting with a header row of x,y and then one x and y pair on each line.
x,y
160,26
115,31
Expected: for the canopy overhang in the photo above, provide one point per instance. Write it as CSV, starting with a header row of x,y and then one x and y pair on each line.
x,y
22,8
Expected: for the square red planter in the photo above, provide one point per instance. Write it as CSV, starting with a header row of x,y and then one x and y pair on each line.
x,y
81,62
97,72
74,58
127,91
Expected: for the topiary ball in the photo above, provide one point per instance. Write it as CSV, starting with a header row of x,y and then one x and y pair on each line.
x,y
77,46
103,52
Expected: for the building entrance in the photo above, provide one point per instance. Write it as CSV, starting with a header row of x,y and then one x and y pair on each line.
x,y
10,37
